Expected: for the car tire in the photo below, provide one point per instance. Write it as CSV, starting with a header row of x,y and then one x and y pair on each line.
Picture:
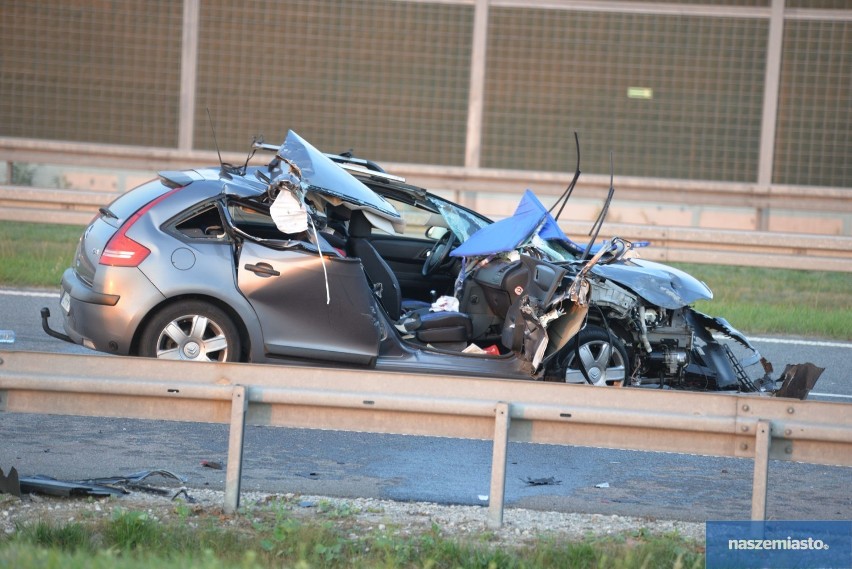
x,y
593,343
194,331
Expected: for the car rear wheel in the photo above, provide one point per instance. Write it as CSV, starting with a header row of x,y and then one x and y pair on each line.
x,y
602,356
195,330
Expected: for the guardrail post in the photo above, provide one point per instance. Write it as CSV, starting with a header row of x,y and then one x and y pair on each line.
x,y
763,440
233,475
497,492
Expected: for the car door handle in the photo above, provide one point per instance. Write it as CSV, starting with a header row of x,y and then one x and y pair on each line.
x,y
263,269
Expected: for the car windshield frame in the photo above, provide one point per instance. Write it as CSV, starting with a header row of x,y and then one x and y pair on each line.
x,y
462,221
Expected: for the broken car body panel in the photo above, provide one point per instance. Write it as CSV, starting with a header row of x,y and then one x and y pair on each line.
x,y
312,327
659,284
318,173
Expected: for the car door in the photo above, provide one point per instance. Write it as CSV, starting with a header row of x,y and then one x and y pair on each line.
x,y
302,318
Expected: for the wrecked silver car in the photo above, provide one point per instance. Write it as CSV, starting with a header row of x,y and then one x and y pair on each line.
x,y
303,262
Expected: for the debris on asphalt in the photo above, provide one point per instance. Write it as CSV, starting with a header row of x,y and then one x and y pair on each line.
x,y
109,486
550,481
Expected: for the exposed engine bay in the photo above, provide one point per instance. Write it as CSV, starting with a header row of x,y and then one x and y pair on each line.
x,y
625,339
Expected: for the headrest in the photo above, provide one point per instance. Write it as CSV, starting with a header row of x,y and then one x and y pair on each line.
x,y
359,225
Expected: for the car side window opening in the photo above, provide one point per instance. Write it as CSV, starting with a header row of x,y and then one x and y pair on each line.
x,y
257,223
207,223
417,220
204,224
336,223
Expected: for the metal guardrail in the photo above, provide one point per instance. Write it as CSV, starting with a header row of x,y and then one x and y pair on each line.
x,y
669,244
483,188
745,426
653,190
462,180
43,205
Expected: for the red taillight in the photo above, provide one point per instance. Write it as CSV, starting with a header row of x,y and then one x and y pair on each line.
x,y
121,250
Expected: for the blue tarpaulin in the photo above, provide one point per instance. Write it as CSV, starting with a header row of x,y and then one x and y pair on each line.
x,y
508,234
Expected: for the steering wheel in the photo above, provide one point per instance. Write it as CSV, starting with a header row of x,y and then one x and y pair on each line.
x,y
439,253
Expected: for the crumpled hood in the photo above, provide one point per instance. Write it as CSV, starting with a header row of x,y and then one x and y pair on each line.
x,y
659,284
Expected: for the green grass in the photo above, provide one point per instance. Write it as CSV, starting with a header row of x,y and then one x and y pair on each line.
x,y
778,301
271,537
754,300
36,254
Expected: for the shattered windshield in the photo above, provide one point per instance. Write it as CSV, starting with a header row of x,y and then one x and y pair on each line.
x,y
553,249
461,222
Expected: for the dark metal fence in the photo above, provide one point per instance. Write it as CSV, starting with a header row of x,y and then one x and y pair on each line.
x,y
754,91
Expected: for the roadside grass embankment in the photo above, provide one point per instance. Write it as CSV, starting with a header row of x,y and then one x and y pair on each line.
x,y
810,304
271,536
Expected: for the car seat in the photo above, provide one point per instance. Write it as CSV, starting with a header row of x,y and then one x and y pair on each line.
x,y
432,326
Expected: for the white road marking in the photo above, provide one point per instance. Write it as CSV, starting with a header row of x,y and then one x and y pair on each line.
x,y
835,395
801,342
33,293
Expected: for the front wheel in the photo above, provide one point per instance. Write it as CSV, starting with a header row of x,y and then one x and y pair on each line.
x,y
194,330
602,356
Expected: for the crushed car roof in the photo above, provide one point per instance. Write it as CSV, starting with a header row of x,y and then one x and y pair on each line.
x,y
320,174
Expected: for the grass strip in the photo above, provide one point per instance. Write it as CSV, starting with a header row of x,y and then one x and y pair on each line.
x,y
271,537
778,301
36,254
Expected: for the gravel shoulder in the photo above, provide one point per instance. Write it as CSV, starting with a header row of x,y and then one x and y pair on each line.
x,y
358,516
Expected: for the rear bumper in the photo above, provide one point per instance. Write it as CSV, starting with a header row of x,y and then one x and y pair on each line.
x,y
106,322
80,291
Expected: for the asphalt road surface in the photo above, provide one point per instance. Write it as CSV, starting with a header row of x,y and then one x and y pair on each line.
x,y
407,468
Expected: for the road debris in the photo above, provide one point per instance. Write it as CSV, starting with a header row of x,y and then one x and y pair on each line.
x,y
550,481
110,486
